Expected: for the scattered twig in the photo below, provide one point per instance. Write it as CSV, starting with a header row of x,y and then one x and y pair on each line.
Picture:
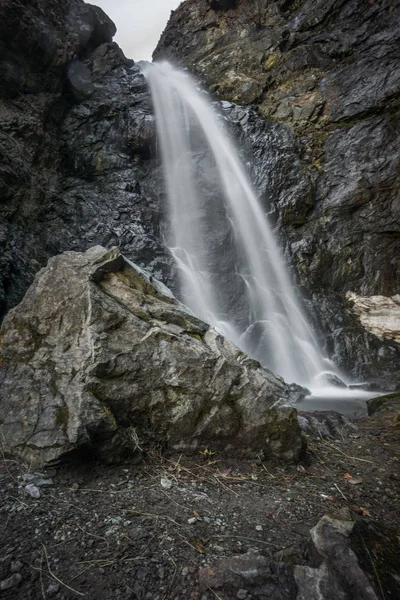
x,y
346,455
80,573
18,500
185,540
5,460
174,501
175,569
96,560
55,576
100,537
265,468
241,537
215,593
340,491
374,567
41,575
70,504
225,486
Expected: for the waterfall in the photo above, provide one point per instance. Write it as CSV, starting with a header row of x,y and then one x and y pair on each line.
x,y
232,273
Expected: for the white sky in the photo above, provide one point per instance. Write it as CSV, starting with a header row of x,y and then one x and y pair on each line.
x,y
139,23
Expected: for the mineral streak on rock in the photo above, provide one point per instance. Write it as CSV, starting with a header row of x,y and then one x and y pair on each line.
x,y
100,356
378,314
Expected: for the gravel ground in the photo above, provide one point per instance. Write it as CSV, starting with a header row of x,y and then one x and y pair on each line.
x,y
146,531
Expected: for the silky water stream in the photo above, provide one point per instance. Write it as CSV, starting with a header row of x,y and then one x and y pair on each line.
x,y
232,273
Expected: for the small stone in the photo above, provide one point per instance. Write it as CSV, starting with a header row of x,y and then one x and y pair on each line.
x,y
32,490
242,594
53,589
259,528
185,571
192,520
16,566
166,483
11,582
100,524
38,479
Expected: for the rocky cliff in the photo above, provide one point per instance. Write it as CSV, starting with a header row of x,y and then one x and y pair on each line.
x,y
76,143
328,72
78,162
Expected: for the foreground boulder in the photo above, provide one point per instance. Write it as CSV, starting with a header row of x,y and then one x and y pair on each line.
x,y
98,356
340,559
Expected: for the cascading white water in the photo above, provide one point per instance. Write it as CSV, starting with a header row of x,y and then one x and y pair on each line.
x,y
231,270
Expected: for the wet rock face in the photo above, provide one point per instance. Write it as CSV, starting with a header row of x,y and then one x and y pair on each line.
x,y
77,165
322,250
100,356
325,77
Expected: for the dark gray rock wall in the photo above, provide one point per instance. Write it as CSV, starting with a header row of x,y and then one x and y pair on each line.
x,y
77,162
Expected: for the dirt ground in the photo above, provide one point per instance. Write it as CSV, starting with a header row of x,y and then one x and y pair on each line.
x,y
146,531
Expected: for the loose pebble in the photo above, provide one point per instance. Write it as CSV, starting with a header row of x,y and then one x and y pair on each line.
x,y
16,566
166,483
32,490
11,582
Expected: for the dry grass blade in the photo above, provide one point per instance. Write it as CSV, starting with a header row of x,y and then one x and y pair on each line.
x,y
174,501
55,576
100,537
265,468
346,455
81,572
215,593
41,575
5,461
241,537
225,486
340,491
375,571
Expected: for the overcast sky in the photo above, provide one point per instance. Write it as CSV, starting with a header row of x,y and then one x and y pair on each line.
x,y
139,23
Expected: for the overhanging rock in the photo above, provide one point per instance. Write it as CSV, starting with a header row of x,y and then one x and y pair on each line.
x,y
98,355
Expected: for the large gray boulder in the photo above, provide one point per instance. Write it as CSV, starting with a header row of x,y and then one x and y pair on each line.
x,y
99,356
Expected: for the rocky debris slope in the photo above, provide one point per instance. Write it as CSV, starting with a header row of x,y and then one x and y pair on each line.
x,y
76,139
328,73
330,569
98,356
176,526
